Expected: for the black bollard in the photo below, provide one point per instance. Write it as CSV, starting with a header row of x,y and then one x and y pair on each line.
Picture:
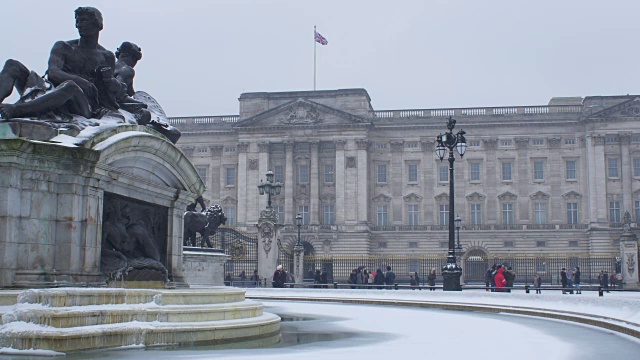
x,y
526,289
335,285
600,292
395,286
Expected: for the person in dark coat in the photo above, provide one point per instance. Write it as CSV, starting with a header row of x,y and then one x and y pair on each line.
x,y
379,278
576,280
279,277
255,278
417,278
412,282
563,280
317,279
510,276
324,277
389,277
227,279
353,278
431,279
501,282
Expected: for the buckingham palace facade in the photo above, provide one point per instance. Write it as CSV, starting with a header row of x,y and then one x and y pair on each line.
x,y
539,179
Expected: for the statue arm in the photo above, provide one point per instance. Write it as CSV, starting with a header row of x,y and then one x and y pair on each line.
x,y
57,75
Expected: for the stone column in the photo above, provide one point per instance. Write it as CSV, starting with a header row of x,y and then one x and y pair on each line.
x,y
626,173
396,177
524,178
493,171
429,174
298,263
597,175
555,177
268,232
216,170
363,182
314,196
340,216
289,215
629,254
242,211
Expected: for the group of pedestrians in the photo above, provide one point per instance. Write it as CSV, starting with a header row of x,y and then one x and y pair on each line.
x,y
499,278
252,281
570,279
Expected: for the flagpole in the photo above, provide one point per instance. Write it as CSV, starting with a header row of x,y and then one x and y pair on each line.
x,y
315,43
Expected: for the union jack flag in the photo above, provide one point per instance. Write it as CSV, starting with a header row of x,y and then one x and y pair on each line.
x,y
319,38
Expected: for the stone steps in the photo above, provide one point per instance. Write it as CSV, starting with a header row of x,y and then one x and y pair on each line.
x,y
113,314
77,319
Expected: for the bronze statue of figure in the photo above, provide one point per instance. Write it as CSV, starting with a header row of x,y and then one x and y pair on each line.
x,y
206,223
74,68
83,79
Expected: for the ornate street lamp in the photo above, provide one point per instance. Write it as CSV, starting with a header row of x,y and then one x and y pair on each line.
x,y
269,188
298,224
458,222
451,272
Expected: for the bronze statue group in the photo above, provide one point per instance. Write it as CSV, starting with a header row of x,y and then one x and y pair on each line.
x,y
83,79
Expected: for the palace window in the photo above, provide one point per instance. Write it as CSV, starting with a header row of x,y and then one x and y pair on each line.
x,y
329,214
506,142
202,171
476,214
537,142
230,213
443,212
506,171
538,170
303,174
612,168
303,210
569,141
279,209
413,244
278,173
443,173
508,217
381,212
570,170
328,174
636,167
412,170
614,211
474,171
230,176
572,212
412,214
382,173
573,243
540,212
541,243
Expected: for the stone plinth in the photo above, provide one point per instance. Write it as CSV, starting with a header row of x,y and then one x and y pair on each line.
x,y
268,229
629,254
52,201
203,267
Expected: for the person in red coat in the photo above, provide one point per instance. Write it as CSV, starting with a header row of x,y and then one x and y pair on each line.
x,y
501,282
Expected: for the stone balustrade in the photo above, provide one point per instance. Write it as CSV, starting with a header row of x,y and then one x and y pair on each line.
x,y
496,227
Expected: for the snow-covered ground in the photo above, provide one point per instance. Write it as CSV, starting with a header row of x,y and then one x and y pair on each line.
x,y
339,331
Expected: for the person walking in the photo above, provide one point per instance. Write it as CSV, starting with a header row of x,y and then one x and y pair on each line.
x,y
537,283
576,279
279,277
353,278
412,282
431,279
417,278
317,279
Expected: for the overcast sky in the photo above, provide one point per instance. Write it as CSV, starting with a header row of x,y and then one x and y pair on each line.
x,y
199,55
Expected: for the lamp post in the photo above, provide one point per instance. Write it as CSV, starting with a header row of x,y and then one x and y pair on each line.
x,y
451,272
270,188
458,222
298,224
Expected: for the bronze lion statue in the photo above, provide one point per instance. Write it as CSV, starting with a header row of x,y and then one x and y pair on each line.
x,y
206,223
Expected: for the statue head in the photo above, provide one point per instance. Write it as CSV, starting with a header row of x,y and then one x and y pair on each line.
x,y
129,49
90,13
